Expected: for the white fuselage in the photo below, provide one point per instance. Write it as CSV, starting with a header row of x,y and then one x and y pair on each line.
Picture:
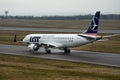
x,y
57,40
64,41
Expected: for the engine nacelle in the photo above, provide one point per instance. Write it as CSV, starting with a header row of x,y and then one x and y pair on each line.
x,y
33,47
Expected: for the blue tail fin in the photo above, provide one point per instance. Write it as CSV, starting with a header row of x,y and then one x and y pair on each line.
x,y
93,27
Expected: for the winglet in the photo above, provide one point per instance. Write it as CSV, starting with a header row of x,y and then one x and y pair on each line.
x,y
93,27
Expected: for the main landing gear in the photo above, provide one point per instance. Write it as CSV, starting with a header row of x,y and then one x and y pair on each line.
x,y
48,51
67,51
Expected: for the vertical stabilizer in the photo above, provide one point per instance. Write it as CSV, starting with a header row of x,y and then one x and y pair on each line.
x,y
93,27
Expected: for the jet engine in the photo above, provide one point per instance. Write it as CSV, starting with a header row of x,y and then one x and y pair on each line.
x,y
33,47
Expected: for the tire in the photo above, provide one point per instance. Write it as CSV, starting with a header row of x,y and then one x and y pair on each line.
x,y
66,50
48,51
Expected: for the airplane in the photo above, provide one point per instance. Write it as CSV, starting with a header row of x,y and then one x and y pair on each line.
x,y
64,41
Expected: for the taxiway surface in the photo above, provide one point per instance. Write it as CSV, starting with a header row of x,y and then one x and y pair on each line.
x,y
55,30
100,58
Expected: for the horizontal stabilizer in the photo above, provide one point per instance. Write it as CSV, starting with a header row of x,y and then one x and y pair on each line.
x,y
108,37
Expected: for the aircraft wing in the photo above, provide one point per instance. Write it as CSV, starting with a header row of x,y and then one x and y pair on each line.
x,y
104,38
99,38
86,36
90,37
51,45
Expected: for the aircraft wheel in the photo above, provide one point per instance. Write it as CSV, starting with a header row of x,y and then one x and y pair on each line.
x,y
48,51
67,50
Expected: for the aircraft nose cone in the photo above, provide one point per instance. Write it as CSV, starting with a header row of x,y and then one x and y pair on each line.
x,y
26,39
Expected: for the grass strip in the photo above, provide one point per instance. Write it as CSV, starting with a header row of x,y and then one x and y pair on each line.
x,y
24,68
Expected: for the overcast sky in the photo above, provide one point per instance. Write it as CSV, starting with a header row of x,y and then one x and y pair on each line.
x,y
59,7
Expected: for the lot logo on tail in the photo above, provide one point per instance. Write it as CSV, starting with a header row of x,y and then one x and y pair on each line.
x,y
93,27
94,24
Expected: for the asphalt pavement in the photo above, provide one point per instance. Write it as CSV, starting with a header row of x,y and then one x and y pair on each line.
x,y
55,30
100,58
